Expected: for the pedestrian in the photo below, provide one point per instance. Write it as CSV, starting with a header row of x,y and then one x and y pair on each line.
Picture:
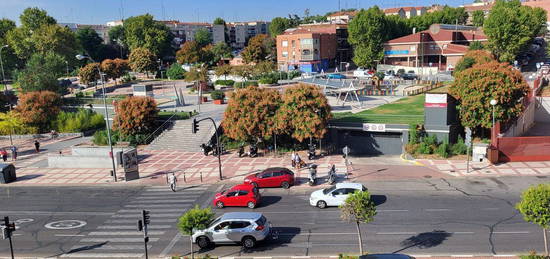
x,y
13,153
37,146
293,159
4,154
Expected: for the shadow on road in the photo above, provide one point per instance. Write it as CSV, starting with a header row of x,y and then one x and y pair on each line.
x,y
84,248
269,200
379,199
28,177
425,240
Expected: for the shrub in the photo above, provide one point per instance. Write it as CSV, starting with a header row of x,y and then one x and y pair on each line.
x,y
217,95
79,121
11,123
411,148
430,140
533,255
175,72
443,150
38,109
225,82
135,115
100,138
459,148
413,134
239,85
268,80
423,148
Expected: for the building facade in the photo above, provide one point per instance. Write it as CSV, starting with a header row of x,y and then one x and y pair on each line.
x,y
102,30
441,46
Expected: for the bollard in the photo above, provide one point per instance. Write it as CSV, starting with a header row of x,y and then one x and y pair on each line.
x,y
184,180
201,176
112,173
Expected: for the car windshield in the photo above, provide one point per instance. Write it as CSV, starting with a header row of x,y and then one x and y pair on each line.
x,y
330,189
215,222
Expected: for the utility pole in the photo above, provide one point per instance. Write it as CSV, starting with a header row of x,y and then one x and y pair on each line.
x,y
7,231
142,226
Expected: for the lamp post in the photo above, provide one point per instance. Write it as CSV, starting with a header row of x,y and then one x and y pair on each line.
x,y
67,67
493,103
3,76
82,57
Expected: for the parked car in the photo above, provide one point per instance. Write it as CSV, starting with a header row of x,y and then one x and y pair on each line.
x,y
246,228
409,76
336,76
362,73
243,195
335,195
271,177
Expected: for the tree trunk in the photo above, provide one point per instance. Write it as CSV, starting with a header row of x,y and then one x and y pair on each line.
x,y
545,241
360,239
192,254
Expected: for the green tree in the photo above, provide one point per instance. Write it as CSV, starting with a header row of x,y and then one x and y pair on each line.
x,y
510,27
175,72
219,21
304,112
203,37
222,50
144,32
224,70
142,60
278,25
396,27
258,49
33,18
89,73
476,45
189,53
90,41
471,58
195,218
535,207
478,17
475,87
244,71
135,115
251,114
114,68
38,109
358,208
41,73
117,39
9,58
6,25
198,74
11,123
367,34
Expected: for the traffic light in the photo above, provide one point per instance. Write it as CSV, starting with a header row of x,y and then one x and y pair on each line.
x,y
146,217
140,225
195,126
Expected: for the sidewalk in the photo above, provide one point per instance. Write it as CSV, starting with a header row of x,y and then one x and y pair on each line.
x,y
457,168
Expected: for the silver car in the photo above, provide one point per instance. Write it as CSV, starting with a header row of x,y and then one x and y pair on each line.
x,y
246,228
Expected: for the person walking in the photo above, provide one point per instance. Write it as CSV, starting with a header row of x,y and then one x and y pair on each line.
x,y
13,153
172,181
37,146
293,159
4,154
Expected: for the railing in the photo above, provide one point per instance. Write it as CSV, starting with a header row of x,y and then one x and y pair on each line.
x,y
165,125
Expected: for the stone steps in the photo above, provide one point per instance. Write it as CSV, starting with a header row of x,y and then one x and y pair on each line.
x,y
180,137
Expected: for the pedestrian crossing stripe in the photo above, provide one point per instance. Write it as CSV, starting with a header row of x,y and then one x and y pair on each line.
x,y
104,255
124,233
117,240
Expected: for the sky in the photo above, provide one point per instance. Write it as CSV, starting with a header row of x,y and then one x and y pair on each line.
x,y
102,11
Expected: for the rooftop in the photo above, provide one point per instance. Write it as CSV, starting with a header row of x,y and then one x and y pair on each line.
x,y
441,33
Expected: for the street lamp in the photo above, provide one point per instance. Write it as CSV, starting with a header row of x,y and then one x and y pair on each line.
x,y
82,57
493,102
3,76
67,67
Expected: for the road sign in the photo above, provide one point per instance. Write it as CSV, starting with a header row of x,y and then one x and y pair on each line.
x,y
468,139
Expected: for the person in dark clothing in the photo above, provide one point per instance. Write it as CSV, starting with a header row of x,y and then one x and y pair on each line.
x,y
4,154
37,146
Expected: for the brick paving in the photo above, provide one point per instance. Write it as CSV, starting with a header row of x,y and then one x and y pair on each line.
x,y
457,168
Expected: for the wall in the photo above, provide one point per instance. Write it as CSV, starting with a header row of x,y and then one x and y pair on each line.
x,y
542,111
417,70
79,162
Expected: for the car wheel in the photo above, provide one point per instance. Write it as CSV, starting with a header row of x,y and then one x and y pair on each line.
x,y
251,205
285,185
254,184
219,204
321,204
203,242
248,242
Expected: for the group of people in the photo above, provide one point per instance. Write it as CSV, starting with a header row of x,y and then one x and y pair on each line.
x,y
13,150
297,162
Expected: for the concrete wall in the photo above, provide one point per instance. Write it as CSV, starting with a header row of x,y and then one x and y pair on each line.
x,y
79,162
542,111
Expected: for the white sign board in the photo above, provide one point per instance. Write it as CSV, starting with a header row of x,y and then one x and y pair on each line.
x,y
374,127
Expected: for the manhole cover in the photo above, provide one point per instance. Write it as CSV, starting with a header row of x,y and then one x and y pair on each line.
x,y
427,176
65,224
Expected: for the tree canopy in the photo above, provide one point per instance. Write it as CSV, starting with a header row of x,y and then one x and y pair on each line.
x,y
219,21
175,72
89,73
142,60
478,17
135,115
535,207
41,73
278,25
144,32
39,108
90,41
366,34
203,37
33,18
189,53
259,48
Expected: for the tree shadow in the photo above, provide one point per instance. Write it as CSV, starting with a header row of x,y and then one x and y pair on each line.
x,y
425,240
28,177
378,199
83,248
268,200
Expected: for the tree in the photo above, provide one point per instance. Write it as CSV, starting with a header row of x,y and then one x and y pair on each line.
x,y
358,208
175,72
189,53
41,73
367,35
478,17
219,21
223,70
11,123
476,45
535,207
250,114
90,41
114,68
142,60
203,37
38,109
475,87
89,73
198,74
33,18
304,113
221,50
258,49
207,56
9,58
264,67
195,218
244,71
144,32
510,27
135,115
116,38
278,25
471,58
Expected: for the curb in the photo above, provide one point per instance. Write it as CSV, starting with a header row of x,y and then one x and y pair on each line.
x,y
409,159
335,256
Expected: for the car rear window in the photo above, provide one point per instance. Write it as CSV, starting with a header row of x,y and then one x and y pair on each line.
x,y
261,221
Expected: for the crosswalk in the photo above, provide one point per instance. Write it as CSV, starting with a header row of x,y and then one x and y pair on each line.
x,y
118,236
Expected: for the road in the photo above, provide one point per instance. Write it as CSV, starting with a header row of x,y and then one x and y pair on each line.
x,y
419,217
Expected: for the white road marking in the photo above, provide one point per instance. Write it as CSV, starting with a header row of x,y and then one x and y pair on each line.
x,y
462,255
164,198
114,247
163,201
433,210
170,245
67,235
420,256
167,215
153,211
133,221
167,190
57,213
462,232
117,240
107,255
511,232
124,233
134,227
396,233
157,206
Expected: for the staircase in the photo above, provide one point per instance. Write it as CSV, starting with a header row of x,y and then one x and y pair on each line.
x,y
179,137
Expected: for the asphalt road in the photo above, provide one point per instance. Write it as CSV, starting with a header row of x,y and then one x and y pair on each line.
x,y
418,217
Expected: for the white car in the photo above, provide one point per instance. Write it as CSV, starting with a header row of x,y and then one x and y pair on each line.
x,y
361,73
334,195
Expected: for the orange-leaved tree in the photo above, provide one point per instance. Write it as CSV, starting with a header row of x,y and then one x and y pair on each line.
x,y
89,73
471,58
475,87
250,114
189,53
135,115
304,112
38,109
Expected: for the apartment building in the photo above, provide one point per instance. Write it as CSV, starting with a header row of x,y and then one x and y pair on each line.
x,y
102,30
241,32
341,16
406,12
484,6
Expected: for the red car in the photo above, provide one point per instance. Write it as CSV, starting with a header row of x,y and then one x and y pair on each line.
x,y
243,195
272,177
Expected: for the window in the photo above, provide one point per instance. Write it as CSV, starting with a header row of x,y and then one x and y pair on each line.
x,y
231,194
239,224
338,192
266,175
242,193
293,44
306,41
261,221
306,52
223,225
350,191
278,174
285,43
284,54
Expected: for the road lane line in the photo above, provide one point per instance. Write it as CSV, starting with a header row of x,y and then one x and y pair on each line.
x,y
420,256
163,201
134,227
392,210
490,208
462,255
67,235
396,233
133,221
462,232
117,240
115,247
124,233
156,206
434,210
164,215
108,255
155,210
511,232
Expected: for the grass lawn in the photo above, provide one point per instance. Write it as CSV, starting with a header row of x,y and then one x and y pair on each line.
x,y
409,110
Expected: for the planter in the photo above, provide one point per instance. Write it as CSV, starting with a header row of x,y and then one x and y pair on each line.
x,y
218,102
203,99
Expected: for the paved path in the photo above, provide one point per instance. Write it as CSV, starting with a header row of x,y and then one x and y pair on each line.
x,y
457,168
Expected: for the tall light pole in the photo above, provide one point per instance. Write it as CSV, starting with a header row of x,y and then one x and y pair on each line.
x,y
82,57
493,103
67,67
3,76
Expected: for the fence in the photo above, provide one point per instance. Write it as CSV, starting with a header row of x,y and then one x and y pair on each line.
x,y
524,149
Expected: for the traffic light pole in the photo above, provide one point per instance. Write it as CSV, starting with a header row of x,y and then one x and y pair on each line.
x,y
195,128
142,226
8,230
